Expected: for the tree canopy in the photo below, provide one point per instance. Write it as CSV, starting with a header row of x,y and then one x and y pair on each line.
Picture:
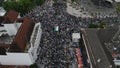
x,y
118,7
101,25
92,26
22,6
34,65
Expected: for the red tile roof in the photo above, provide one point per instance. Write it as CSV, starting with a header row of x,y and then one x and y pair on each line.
x,y
23,36
11,16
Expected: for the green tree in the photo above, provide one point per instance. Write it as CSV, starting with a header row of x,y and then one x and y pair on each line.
x,y
74,1
102,24
22,6
25,5
39,2
118,7
65,0
93,26
34,65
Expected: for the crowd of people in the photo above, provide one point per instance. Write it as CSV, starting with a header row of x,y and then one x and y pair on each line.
x,y
55,46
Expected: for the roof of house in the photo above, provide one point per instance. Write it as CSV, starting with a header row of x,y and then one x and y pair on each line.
x,y
106,35
10,17
23,36
96,49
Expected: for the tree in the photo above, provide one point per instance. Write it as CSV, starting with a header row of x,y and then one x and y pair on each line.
x,y
65,0
39,2
93,26
25,6
73,1
118,7
22,6
102,24
34,65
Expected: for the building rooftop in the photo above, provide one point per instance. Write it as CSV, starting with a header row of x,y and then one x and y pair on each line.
x,y
20,41
10,17
23,36
110,39
6,39
100,57
106,35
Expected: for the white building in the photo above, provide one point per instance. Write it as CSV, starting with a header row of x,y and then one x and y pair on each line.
x,y
19,40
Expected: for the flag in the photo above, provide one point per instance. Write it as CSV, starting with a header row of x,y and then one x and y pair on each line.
x,y
56,28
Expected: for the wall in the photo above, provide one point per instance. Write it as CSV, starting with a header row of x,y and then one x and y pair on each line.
x,y
15,59
34,50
